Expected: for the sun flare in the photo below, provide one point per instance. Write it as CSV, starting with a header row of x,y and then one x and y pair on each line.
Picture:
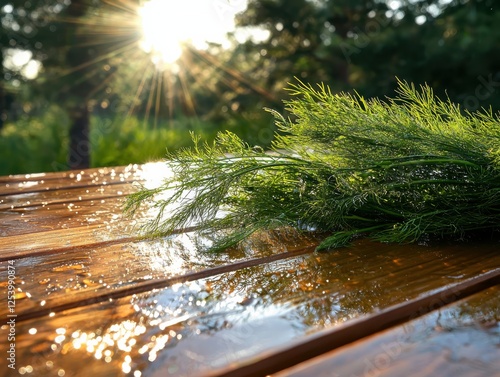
x,y
167,25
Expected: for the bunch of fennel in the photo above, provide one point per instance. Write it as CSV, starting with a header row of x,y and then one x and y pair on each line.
x,y
410,168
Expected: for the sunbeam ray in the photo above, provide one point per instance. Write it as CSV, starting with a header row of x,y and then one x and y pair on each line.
x,y
158,100
138,91
152,91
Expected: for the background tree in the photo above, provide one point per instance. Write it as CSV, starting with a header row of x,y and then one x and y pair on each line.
x,y
80,44
365,45
93,67
89,42
449,46
19,25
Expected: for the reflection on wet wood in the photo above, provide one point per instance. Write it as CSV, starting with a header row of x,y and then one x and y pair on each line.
x,y
229,311
45,199
90,293
67,180
85,290
69,174
61,215
356,329
462,339
14,247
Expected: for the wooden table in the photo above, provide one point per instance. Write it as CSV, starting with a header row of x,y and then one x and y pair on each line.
x,y
82,295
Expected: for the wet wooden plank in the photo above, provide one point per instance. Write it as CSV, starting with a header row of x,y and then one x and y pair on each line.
x,y
98,272
53,282
65,174
59,240
71,195
66,215
63,220
462,339
221,324
72,179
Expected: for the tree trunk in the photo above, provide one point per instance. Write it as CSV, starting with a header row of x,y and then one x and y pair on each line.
x,y
79,144
79,147
3,99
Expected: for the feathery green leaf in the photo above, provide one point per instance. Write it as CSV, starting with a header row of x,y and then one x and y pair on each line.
x,y
404,170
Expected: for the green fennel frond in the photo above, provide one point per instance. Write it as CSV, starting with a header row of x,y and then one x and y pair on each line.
x,y
400,170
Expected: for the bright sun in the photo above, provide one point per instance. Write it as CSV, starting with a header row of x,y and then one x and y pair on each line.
x,y
168,24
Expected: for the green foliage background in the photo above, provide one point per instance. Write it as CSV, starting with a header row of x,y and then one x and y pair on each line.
x,y
114,141
360,45
34,144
